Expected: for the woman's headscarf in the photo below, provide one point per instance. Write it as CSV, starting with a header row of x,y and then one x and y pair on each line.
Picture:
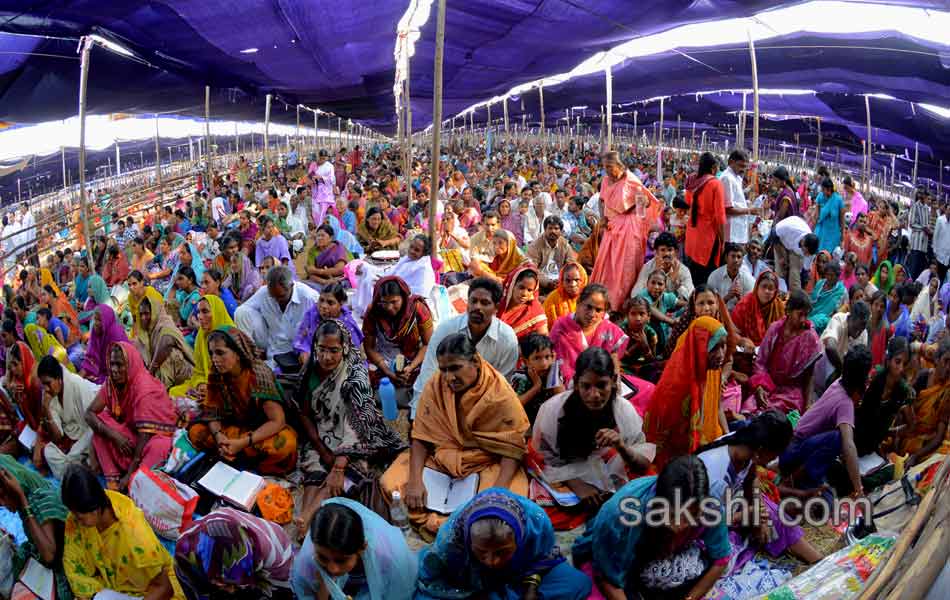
x,y
243,282
227,397
523,318
160,325
31,408
197,265
751,317
96,362
143,402
97,293
199,375
505,263
683,412
558,303
43,343
722,315
814,276
402,330
385,231
884,286
150,293
46,278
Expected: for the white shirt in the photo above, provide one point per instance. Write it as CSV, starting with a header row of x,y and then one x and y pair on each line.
x,y
734,197
837,332
281,326
760,266
219,209
790,232
720,281
499,347
942,240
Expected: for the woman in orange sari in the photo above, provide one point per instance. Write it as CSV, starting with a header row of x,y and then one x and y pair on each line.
x,y
469,421
927,431
588,252
520,307
759,308
507,258
685,412
563,300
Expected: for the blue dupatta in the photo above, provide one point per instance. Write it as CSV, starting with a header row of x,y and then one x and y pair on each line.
x,y
197,265
824,303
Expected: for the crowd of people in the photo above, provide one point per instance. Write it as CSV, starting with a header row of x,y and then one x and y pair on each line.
x,y
588,336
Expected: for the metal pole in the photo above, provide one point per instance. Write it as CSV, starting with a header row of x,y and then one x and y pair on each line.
x,y
63,151
118,164
158,161
867,178
267,100
635,124
608,72
408,140
916,154
297,131
818,150
436,125
740,138
504,104
755,102
316,140
541,100
83,211
659,147
210,184
339,131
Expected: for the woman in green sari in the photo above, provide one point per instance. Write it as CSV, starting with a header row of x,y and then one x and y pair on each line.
x,y
39,506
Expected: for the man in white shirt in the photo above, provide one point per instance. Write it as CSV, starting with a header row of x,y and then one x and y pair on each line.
x,y
495,340
271,316
941,241
737,206
795,242
843,332
732,280
753,260
678,278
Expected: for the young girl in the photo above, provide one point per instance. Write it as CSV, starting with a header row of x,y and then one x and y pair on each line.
x,y
662,303
331,305
540,376
640,357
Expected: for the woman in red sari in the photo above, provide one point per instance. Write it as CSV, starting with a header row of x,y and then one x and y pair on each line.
x,y
759,308
879,330
398,323
25,390
520,307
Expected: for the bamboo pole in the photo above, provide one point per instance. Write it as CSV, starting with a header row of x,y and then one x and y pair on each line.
x,y
208,165
408,140
608,72
740,135
118,163
267,101
436,125
83,86
755,102
659,147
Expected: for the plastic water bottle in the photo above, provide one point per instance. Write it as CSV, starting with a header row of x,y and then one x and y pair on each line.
x,y
387,396
398,514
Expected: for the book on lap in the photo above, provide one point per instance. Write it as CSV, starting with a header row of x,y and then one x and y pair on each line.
x,y
239,488
444,494
38,581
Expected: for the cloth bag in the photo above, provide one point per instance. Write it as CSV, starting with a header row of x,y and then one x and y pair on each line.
x,y
168,504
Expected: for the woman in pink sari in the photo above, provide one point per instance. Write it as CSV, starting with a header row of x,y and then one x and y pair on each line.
x,y
787,356
623,247
132,418
587,327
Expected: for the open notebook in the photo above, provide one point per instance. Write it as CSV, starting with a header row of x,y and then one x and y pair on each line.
x,y
445,494
39,581
240,488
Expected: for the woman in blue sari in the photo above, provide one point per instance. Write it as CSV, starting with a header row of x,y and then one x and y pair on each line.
x,y
346,239
632,557
830,216
354,554
826,297
187,256
501,546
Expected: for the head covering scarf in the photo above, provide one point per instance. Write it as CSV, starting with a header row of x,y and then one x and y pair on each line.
x,y
403,330
43,343
98,293
161,325
150,293
886,285
197,265
558,303
385,231
95,363
513,222
683,412
507,261
523,318
244,281
449,566
814,276
753,318
143,403
232,547
31,405
46,278
722,315
238,398
199,375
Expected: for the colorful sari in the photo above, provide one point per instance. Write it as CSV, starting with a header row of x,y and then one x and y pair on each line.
x,y
197,265
124,558
390,568
884,286
751,318
238,404
591,248
683,413
30,400
134,304
931,408
403,333
813,275
233,548
245,282
43,343
385,231
569,341
782,364
825,302
513,222
180,361
202,360
96,361
328,257
503,264
558,303
523,318
448,569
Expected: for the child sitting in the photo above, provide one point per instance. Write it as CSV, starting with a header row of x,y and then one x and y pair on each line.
x,y
662,303
640,356
539,378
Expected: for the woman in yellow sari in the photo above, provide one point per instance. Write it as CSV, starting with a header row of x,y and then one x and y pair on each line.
x,y
468,421
211,314
108,544
43,344
167,355
138,291
563,300
507,258
925,429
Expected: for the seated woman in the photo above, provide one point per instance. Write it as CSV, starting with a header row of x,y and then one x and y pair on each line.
x,y
326,259
38,504
376,232
132,418
349,441
631,556
183,296
241,278
758,309
242,411
42,343
67,397
588,440
705,302
498,545
417,268
563,300
398,324
331,305
786,359
231,553
52,298
826,297
588,326
468,421
351,552
520,307
211,314
138,291
507,258
685,410
887,397
167,355
732,463
925,428
24,389
108,544
105,331
116,268
163,266
212,284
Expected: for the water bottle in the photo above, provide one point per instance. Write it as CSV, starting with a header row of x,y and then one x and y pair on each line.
x,y
398,514
387,396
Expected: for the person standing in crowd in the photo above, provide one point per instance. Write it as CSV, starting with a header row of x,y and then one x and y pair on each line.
x,y
831,219
918,221
323,182
739,213
706,225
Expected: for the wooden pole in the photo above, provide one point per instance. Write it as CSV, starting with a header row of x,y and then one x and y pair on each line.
x,y
118,164
916,155
210,168
740,137
83,211
436,125
755,102
608,72
408,135
267,101
818,150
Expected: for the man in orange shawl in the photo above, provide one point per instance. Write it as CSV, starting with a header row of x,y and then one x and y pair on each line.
x,y
520,307
469,420
684,411
630,210
563,300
